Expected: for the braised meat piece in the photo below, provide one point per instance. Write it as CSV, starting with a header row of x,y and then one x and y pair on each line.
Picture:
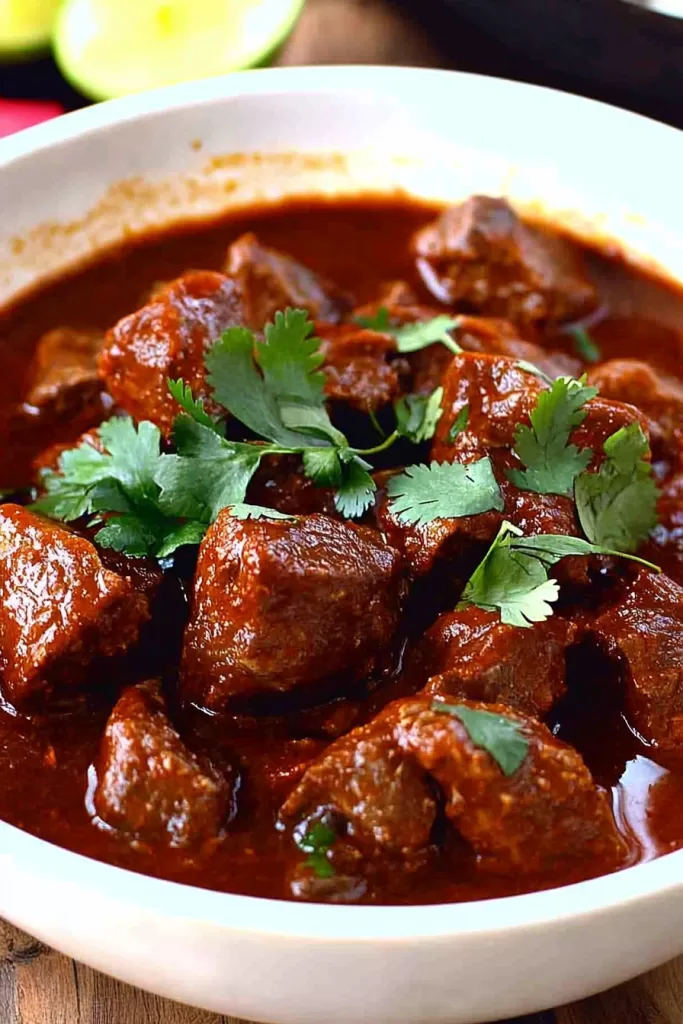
x,y
382,797
373,785
168,338
660,398
149,784
643,634
358,367
270,281
60,607
479,254
281,603
548,811
64,383
472,654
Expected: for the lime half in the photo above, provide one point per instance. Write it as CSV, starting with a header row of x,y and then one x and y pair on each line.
x,y
25,26
111,48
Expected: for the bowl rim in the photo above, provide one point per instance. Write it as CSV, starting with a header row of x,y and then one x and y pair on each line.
x,y
321,922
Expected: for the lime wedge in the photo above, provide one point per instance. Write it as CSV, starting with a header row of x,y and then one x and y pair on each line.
x,y
25,26
111,48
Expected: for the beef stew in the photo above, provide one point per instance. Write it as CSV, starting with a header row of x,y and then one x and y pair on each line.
x,y
341,556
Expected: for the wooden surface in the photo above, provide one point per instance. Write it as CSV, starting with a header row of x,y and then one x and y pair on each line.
x,y
39,986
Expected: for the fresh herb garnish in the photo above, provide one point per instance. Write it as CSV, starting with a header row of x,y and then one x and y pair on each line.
x,y
584,346
552,463
120,480
414,336
317,843
499,736
512,578
148,502
418,415
459,424
617,506
421,494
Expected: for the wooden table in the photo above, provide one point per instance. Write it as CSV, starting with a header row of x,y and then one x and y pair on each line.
x,y
39,986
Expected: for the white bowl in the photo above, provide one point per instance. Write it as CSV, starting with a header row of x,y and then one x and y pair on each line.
x,y
438,134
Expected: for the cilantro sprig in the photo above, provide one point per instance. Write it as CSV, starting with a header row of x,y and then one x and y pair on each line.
x,y
414,336
513,579
551,462
147,501
317,842
499,736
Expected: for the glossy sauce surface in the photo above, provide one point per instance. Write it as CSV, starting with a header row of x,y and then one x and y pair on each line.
x,y
46,761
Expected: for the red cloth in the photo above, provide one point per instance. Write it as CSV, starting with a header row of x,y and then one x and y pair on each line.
x,y
18,114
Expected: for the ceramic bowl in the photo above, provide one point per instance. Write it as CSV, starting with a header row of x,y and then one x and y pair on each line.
x,y
75,185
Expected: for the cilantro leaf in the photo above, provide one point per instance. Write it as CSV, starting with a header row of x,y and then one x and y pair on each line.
x,y
118,486
617,506
290,359
191,532
134,534
317,843
357,489
584,346
443,490
499,736
240,388
552,463
414,336
207,474
194,407
418,415
459,424
323,466
380,322
242,511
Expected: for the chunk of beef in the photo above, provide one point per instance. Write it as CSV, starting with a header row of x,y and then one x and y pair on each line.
x,y
548,811
279,604
168,338
60,607
665,544
382,797
149,784
358,366
270,281
479,254
499,396
472,654
373,784
64,383
643,633
660,398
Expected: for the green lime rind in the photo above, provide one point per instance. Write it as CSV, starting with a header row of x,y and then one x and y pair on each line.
x,y
25,27
110,48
